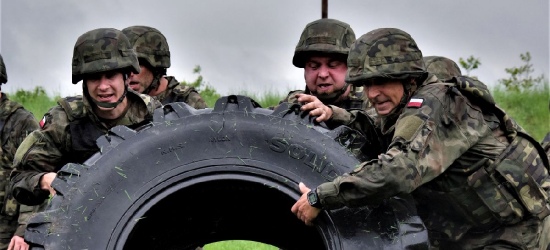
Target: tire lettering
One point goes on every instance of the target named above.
(308, 158)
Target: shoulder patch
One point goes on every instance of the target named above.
(415, 103)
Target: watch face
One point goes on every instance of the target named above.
(313, 199)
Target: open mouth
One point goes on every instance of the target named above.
(324, 87)
(105, 97)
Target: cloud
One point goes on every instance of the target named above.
(248, 44)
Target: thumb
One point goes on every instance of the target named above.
(303, 188)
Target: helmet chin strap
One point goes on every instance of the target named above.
(332, 97)
(154, 84)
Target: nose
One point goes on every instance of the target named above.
(323, 71)
(104, 82)
(372, 91)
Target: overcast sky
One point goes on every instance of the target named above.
(249, 44)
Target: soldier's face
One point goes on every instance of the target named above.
(140, 82)
(105, 87)
(324, 74)
(384, 95)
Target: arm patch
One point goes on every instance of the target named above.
(408, 127)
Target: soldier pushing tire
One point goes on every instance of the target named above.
(193, 177)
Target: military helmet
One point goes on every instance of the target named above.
(3, 74)
(384, 53)
(150, 45)
(102, 50)
(444, 68)
(323, 36)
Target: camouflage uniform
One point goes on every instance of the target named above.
(477, 178)
(177, 92)
(15, 124)
(152, 49)
(69, 130)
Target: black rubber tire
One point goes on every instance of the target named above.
(194, 177)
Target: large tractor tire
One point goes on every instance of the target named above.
(194, 177)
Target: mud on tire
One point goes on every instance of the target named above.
(193, 177)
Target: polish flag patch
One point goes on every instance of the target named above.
(42, 122)
(415, 103)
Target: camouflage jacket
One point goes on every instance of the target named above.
(343, 112)
(177, 92)
(17, 123)
(67, 133)
(440, 142)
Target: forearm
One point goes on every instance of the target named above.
(25, 187)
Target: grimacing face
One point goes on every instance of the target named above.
(325, 74)
(384, 95)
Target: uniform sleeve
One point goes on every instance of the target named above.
(195, 100)
(41, 152)
(426, 142)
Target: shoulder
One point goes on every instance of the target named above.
(72, 106)
(148, 102)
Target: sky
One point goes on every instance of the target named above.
(247, 45)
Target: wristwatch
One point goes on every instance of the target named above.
(313, 199)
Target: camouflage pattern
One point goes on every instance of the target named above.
(102, 50)
(435, 153)
(149, 45)
(384, 53)
(177, 92)
(17, 124)
(323, 36)
(3, 74)
(51, 147)
(444, 68)
(478, 178)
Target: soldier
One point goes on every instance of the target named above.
(102, 58)
(15, 124)
(444, 68)
(322, 52)
(154, 58)
(479, 181)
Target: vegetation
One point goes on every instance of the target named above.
(469, 64)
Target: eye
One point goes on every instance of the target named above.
(312, 65)
(334, 64)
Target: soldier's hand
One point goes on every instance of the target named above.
(46, 182)
(302, 209)
(315, 107)
(18, 243)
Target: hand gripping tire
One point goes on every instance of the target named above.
(193, 177)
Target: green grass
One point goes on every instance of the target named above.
(530, 109)
(238, 245)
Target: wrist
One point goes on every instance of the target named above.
(313, 199)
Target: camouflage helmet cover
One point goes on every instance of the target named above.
(444, 68)
(102, 50)
(3, 74)
(149, 44)
(384, 53)
(323, 36)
